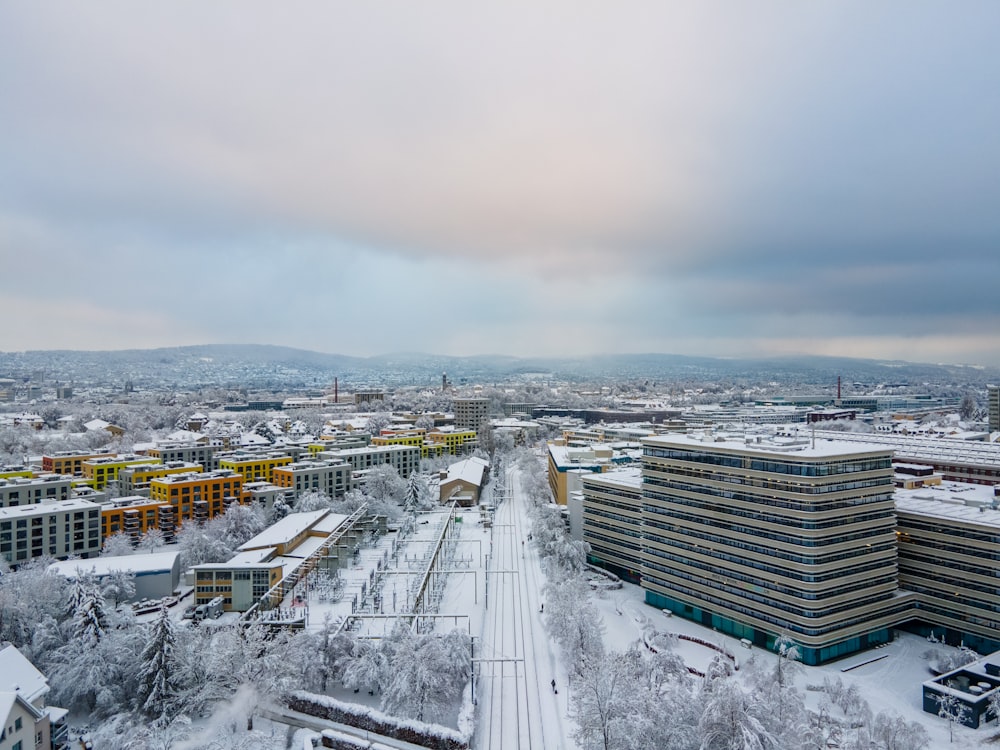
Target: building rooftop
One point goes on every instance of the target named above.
(288, 528)
(152, 562)
(19, 675)
(47, 506)
(800, 445)
(954, 501)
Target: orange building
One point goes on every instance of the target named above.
(198, 497)
(137, 515)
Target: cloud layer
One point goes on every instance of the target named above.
(523, 178)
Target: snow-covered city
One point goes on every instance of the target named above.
(471, 568)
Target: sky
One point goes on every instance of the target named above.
(525, 178)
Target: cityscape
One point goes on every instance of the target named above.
(478, 376)
(457, 565)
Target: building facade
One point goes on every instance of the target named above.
(762, 539)
(58, 529)
(15, 491)
(470, 413)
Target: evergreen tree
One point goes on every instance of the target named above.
(157, 684)
(90, 621)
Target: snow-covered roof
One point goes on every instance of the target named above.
(249, 557)
(284, 530)
(152, 562)
(45, 508)
(470, 470)
(329, 523)
(954, 501)
(19, 675)
(799, 446)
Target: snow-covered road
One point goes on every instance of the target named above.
(516, 659)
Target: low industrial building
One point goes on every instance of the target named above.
(157, 574)
(463, 481)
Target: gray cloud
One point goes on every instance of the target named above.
(646, 167)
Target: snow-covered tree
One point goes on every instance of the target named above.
(573, 621)
(201, 544)
(117, 544)
(365, 667)
(90, 620)
(118, 586)
(952, 710)
(157, 684)
(733, 720)
(378, 422)
(312, 500)
(416, 492)
(239, 524)
(29, 595)
(383, 484)
(427, 674)
(151, 541)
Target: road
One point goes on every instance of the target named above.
(516, 661)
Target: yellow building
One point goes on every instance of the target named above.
(198, 496)
(134, 479)
(98, 472)
(254, 467)
(455, 441)
(417, 437)
(20, 472)
(565, 460)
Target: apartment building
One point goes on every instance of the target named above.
(254, 467)
(70, 462)
(26, 721)
(758, 539)
(453, 440)
(198, 497)
(18, 490)
(332, 477)
(136, 515)
(59, 529)
(134, 480)
(202, 454)
(406, 458)
(99, 472)
(470, 413)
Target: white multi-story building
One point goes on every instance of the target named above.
(56, 528)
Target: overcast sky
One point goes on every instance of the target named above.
(705, 178)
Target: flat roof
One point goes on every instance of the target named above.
(631, 477)
(44, 508)
(153, 562)
(800, 446)
(284, 530)
(952, 501)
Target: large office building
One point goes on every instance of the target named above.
(612, 521)
(470, 413)
(759, 539)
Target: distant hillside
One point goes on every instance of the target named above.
(264, 366)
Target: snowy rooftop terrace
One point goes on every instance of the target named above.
(800, 445)
(953, 501)
(44, 508)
